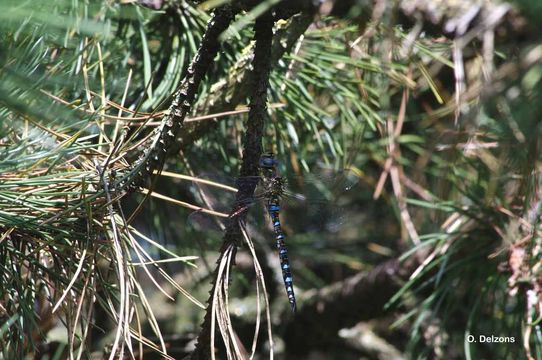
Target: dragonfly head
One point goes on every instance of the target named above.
(268, 161)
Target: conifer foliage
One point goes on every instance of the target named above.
(412, 127)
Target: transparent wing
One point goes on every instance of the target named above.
(214, 195)
(202, 222)
(322, 186)
(315, 200)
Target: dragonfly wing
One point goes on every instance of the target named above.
(202, 221)
(217, 197)
(214, 195)
(323, 185)
(316, 201)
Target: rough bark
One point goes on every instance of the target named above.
(252, 150)
(228, 94)
(162, 142)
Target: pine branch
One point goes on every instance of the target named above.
(455, 18)
(452, 17)
(252, 150)
(161, 146)
(283, 7)
(238, 84)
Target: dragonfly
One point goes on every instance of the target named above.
(274, 188)
(275, 191)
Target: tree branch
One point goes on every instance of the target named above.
(447, 17)
(161, 145)
(228, 94)
(252, 150)
(346, 303)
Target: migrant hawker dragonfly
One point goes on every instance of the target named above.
(276, 191)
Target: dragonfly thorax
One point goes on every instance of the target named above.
(274, 186)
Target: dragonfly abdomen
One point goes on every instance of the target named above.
(274, 209)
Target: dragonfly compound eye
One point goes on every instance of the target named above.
(268, 161)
